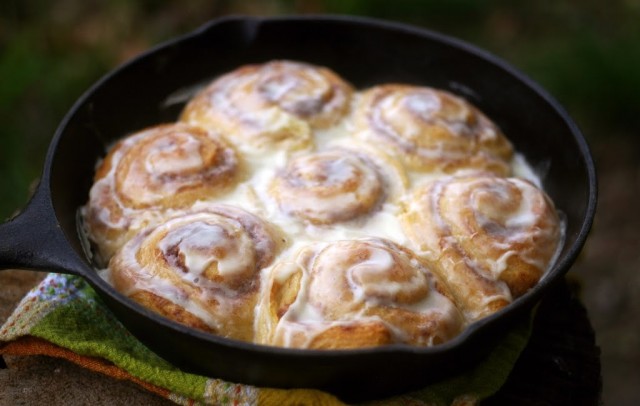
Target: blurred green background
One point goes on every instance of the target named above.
(584, 52)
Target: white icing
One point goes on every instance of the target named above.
(424, 104)
(521, 169)
(169, 156)
(524, 217)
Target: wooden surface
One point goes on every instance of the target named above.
(560, 366)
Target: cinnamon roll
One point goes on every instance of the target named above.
(431, 130)
(275, 104)
(335, 185)
(200, 268)
(492, 238)
(163, 167)
(355, 293)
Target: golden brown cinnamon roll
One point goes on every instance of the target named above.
(200, 268)
(275, 104)
(355, 293)
(335, 185)
(163, 167)
(431, 130)
(493, 238)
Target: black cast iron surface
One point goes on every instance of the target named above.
(151, 89)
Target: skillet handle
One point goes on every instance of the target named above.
(33, 239)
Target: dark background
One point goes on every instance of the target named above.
(586, 53)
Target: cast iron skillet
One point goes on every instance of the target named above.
(147, 91)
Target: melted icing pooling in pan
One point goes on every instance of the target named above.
(287, 208)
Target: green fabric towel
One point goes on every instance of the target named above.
(65, 311)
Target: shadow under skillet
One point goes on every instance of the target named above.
(561, 363)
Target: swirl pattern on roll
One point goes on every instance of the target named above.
(333, 185)
(355, 293)
(431, 130)
(275, 104)
(493, 238)
(163, 167)
(200, 268)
